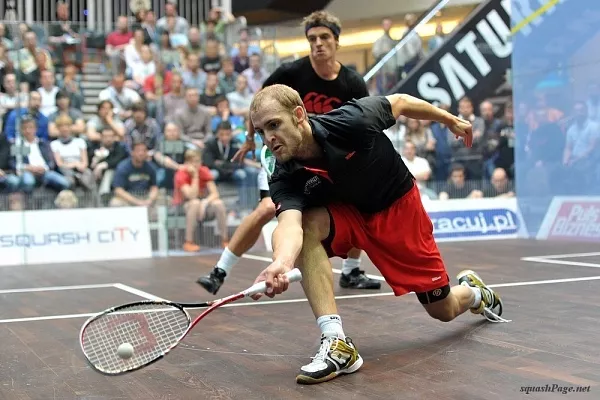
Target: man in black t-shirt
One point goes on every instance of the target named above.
(324, 85)
(321, 161)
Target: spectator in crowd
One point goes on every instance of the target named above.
(471, 158)
(135, 180)
(195, 42)
(215, 25)
(241, 98)
(255, 74)
(33, 110)
(211, 92)
(443, 148)
(104, 119)
(11, 98)
(6, 64)
(116, 43)
(4, 40)
(70, 154)
(194, 119)
(490, 137)
(581, 154)
(457, 187)
(409, 55)
(155, 87)
(593, 102)
(120, 96)
(241, 61)
(172, 22)
(227, 76)
(252, 47)
(151, 35)
(71, 86)
(506, 142)
(397, 133)
(438, 39)
(499, 186)
(33, 60)
(105, 156)
(223, 113)
(38, 167)
(175, 99)
(48, 91)
(386, 77)
(193, 75)
(143, 69)
(169, 55)
(9, 182)
(418, 167)
(195, 189)
(211, 62)
(63, 108)
(422, 137)
(64, 36)
(133, 53)
(142, 128)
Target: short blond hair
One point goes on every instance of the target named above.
(191, 154)
(63, 119)
(287, 98)
(323, 18)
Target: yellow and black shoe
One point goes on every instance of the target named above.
(335, 356)
(491, 303)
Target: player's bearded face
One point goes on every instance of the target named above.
(322, 43)
(280, 132)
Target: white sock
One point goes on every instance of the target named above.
(227, 260)
(477, 300)
(331, 325)
(349, 264)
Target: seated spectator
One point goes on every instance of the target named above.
(490, 139)
(38, 167)
(169, 156)
(241, 61)
(169, 55)
(471, 158)
(193, 75)
(506, 142)
(174, 100)
(216, 23)
(134, 182)
(227, 76)
(9, 182)
(71, 86)
(64, 35)
(444, 139)
(142, 70)
(255, 74)
(63, 108)
(397, 133)
(211, 92)
(48, 91)
(155, 87)
(251, 47)
(104, 119)
(105, 156)
(11, 98)
(142, 128)
(33, 110)
(457, 187)
(499, 186)
(211, 62)
(151, 35)
(241, 98)
(70, 154)
(224, 113)
(194, 119)
(32, 60)
(195, 44)
(116, 42)
(218, 154)
(172, 22)
(4, 40)
(196, 190)
(120, 96)
(419, 168)
(133, 52)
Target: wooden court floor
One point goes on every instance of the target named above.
(253, 350)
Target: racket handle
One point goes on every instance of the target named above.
(261, 287)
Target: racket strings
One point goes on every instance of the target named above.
(152, 329)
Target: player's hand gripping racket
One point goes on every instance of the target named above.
(131, 336)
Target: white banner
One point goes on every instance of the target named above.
(573, 219)
(463, 220)
(74, 235)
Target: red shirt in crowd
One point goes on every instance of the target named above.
(150, 85)
(183, 177)
(118, 38)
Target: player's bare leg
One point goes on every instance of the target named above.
(244, 237)
(471, 294)
(337, 354)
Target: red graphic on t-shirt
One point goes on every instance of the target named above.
(317, 103)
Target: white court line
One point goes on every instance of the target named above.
(574, 255)
(335, 270)
(560, 262)
(137, 292)
(57, 288)
(302, 300)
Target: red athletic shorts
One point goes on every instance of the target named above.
(398, 240)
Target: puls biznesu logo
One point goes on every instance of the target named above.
(474, 223)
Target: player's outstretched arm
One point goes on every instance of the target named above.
(287, 243)
(412, 107)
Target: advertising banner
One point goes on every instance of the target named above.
(572, 219)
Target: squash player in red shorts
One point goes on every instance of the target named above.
(338, 184)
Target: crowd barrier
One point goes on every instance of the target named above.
(104, 234)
